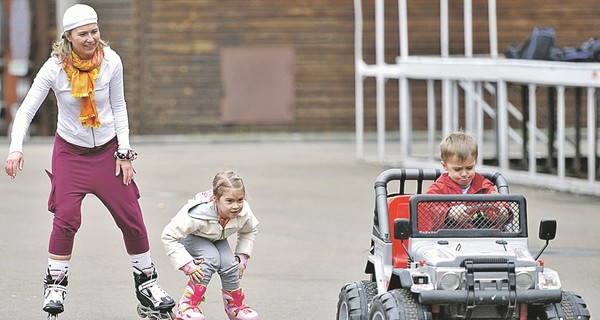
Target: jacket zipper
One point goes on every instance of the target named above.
(222, 224)
(93, 137)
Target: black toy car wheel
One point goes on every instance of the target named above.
(571, 307)
(354, 300)
(397, 304)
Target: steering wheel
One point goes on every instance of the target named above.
(480, 215)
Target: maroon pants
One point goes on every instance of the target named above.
(77, 171)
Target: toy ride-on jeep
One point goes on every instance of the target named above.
(427, 263)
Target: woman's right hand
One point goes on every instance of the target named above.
(14, 161)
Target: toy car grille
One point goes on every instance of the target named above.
(489, 215)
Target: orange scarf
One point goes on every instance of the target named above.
(82, 75)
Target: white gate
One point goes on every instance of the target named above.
(553, 149)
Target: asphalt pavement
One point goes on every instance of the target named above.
(313, 198)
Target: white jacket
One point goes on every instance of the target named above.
(108, 94)
(199, 217)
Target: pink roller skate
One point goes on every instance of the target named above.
(188, 307)
(235, 307)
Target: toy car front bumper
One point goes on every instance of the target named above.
(490, 297)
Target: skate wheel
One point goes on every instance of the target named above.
(52, 316)
(141, 312)
(166, 315)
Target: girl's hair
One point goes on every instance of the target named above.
(458, 144)
(226, 180)
(62, 48)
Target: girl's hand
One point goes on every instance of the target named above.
(14, 161)
(193, 270)
(242, 260)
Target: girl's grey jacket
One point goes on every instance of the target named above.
(199, 217)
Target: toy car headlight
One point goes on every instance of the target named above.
(524, 281)
(548, 280)
(449, 281)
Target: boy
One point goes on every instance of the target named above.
(459, 157)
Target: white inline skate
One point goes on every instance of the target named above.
(155, 303)
(55, 292)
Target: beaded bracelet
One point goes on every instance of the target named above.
(130, 155)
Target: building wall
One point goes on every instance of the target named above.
(173, 54)
(181, 46)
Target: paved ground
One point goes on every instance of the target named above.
(315, 204)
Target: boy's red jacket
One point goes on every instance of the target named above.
(445, 185)
(435, 218)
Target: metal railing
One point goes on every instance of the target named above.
(529, 143)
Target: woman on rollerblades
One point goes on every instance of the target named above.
(91, 154)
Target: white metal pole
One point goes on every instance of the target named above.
(358, 79)
(455, 105)
(469, 89)
(591, 133)
(532, 129)
(493, 29)
(380, 80)
(403, 32)
(380, 111)
(446, 84)
(405, 113)
(560, 130)
(444, 42)
(446, 107)
(468, 40)
(359, 106)
(468, 26)
(379, 32)
(431, 150)
(405, 118)
(479, 118)
(502, 130)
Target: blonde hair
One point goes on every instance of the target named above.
(61, 48)
(458, 144)
(226, 180)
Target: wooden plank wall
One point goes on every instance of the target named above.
(171, 52)
(181, 89)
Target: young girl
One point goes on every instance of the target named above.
(196, 243)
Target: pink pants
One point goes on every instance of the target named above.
(77, 171)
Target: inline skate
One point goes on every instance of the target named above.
(155, 303)
(55, 292)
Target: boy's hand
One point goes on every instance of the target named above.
(459, 215)
(504, 215)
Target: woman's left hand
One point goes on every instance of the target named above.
(126, 168)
